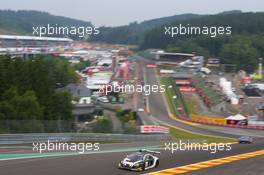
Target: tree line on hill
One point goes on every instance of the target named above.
(242, 48)
(23, 21)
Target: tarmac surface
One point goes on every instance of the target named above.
(106, 162)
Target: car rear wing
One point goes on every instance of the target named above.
(149, 151)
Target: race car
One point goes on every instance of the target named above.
(140, 161)
(245, 139)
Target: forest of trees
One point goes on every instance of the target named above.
(243, 47)
(28, 89)
(134, 32)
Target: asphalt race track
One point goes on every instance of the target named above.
(106, 163)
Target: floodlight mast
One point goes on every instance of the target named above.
(260, 67)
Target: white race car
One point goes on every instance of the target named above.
(140, 161)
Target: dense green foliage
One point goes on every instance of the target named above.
(82, 65)
(242, 48)
(103, 125)
(134, 32)
(129, 120)
(241, 23)
(28, 89)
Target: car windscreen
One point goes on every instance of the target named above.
(135, 157)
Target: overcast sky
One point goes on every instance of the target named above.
(120, 12)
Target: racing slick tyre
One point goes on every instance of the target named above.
(157, 164)
(142, 168)
(119, 166)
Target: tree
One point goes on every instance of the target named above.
(61, 107)
(82, 65)
(103, 125)
(240, 52)
(28, 88)
(20, 107)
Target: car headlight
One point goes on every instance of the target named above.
(137, 165)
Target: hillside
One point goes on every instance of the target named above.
(242, 48)
(134, 32)
(137, 31)
(241, 23)
(22, 22)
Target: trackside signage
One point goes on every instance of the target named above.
(187, 89)
(151, 65)
(183, 82)
(153, 129)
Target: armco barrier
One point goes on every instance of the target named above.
(78, 137)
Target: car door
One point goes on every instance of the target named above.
(149, 160)
(146, 160)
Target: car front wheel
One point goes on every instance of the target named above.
(157, 163)
(142, 168)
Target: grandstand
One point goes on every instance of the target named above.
(209, 95)
(172, 58)
(16, 41)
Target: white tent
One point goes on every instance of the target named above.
(237, 117)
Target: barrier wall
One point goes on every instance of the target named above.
(209, 120)
(219, 124)
(77, 137)
(256, 123)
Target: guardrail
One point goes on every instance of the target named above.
(78, 137)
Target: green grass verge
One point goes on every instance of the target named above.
(190, 104)
(169, 93)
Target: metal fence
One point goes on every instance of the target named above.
(36, 126)
(78, 137)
